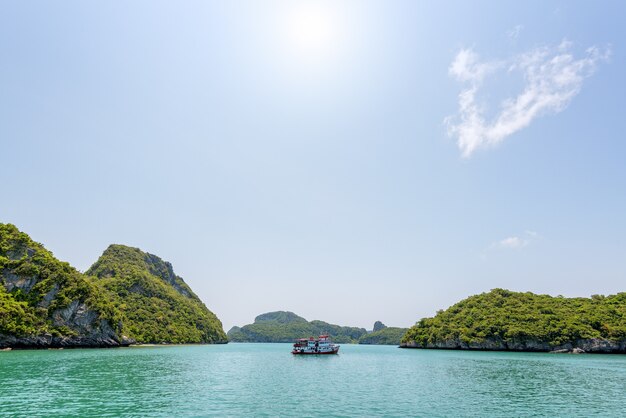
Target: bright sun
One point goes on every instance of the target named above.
(311, 30)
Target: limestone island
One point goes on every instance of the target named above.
(513, 321)
(285, 327)
(127, 297)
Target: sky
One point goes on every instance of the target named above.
(350, 161)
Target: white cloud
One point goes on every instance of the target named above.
(467, 68)
(552, 75)
(516, 242)
(513, 242)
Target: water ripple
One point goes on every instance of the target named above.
(265, 380)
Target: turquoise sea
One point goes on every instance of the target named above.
(266, 380)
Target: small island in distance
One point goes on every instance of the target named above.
(284, 327)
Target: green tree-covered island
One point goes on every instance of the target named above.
(505, 320)
(128, 296)
(282, 327)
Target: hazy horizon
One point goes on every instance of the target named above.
(347, 161)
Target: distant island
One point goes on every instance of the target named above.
(283, 327)
(514, 321)
(128, 296)
(383, 335)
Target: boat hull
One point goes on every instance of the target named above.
(313, 353)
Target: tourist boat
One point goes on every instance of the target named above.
(321, 345)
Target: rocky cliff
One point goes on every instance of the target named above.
(591, 345)
(158, 306)
(47, 303)
(378, 326)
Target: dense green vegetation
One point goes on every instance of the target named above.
(34, 285)
(157, 305)
(281, 317)
(126, 293)
(280, 327)
(514, 318)
(384, 336)
(19, 318)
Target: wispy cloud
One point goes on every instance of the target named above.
(516, 241)
(553, 76)
(513, 242)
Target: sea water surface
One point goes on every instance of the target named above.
(266, 380)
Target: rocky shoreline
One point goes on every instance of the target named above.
(594, 345)
(49, 341)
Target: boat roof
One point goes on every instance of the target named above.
(311, 338)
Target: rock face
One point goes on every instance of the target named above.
(594, 345)
(47, 303)
(513, 321)
(378, 326)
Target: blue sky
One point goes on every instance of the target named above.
(349, 161)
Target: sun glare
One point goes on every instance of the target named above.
(311, 31)
(310, 28)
